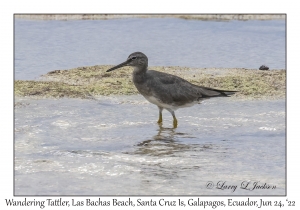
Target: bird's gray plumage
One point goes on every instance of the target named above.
(165, 90)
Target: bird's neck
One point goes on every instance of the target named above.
(140, 70)
(139, 75)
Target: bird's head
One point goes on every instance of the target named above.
(136, 59)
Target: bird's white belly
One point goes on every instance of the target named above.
(153, 100)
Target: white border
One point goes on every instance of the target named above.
(8, 8)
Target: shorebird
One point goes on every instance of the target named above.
(164, 90)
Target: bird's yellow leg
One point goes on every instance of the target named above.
(160, 115)
(160, 118)
(175, 123)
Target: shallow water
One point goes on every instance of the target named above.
(113, 146)
(43, 46)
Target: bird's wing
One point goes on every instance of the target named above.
(175, 90)
(171, 89)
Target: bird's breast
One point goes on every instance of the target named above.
(140, 83)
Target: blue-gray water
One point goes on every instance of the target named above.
(113, 146)
(43, 46)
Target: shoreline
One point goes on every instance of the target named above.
(212, 17)
(91, 81)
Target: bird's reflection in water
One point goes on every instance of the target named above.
(167, 142)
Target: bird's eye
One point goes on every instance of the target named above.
(133, 58)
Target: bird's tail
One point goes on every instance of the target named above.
(211, 92)
(228, 92)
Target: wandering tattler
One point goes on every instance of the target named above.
(165, 90)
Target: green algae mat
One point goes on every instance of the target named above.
(90, 81)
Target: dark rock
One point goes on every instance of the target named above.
(263, 67)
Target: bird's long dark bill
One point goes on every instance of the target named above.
(118, 66)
